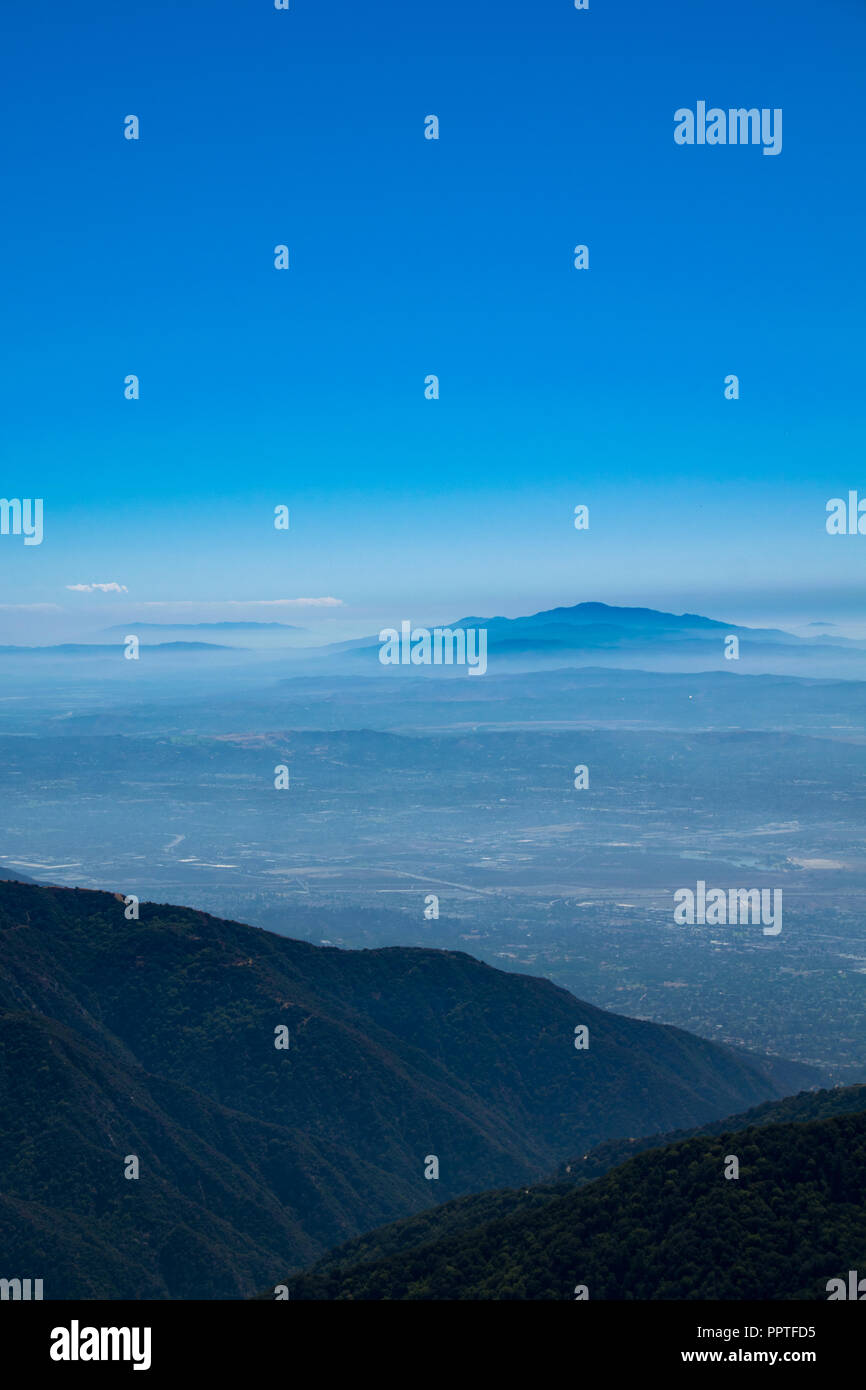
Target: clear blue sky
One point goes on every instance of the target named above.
(411, 257)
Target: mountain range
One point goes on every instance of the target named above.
(135, 626)
(600, 633)
(580, 635)
(154, 1039)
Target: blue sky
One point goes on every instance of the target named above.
(411, 257)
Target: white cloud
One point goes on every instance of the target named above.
(112, 588)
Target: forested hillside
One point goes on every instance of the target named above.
(666, 1224)
(155, 1038)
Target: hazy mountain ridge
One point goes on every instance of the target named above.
(15, 876)
(576, 635)
(226, 626)
(115, 648)
(678, 641)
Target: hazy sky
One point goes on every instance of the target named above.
(410, 257)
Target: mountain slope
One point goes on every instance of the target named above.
(155, 1038)
(473, 1212)
(667, 1224)
(808, 1105)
